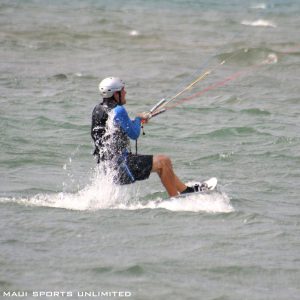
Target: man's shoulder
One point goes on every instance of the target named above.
(99, 112)
(98, 106)
(120, 110)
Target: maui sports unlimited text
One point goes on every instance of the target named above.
(56, 294)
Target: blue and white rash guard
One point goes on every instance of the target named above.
(131, 127)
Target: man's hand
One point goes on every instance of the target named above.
(145, 116)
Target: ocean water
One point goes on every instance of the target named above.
(67, 231)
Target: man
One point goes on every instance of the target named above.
(111, 131)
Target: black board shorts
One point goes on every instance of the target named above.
(137, 167)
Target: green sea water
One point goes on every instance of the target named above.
(64, 228)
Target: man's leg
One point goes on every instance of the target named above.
(162, 165)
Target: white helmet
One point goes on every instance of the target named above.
(109, 85)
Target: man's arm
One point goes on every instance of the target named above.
(131, 128)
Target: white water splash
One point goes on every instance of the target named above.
(259, 23)
(100, 194)
(214, 202)
(103, 194)
(134, 33)
(271, 59)
(259, 6)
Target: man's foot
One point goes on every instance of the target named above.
(204, 187)
(196, 188)
(189, 189)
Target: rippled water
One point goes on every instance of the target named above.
(65, 228)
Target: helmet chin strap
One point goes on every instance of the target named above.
(120, 98)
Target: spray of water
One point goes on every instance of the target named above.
(103, 194)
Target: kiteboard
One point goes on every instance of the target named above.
(203, 187)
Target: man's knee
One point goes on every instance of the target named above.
(160, 162)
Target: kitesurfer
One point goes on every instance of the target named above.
(112, 130)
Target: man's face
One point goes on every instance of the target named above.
(123, 96)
